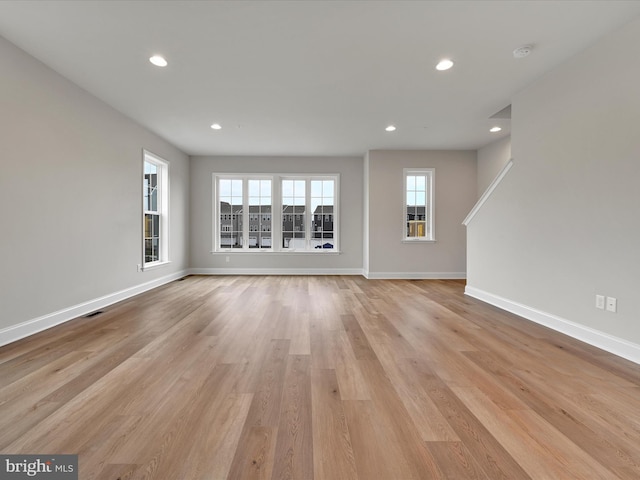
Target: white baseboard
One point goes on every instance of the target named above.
(275, 271)
(30, 327)
(415, 275)
(609, 343)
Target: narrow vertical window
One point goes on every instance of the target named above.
(155, 197)
(260, 213)
(230, 197)
(293, 214)
(322, 204)
(418, 204)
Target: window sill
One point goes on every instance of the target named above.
(326, 251)
(154, 265)
(418, 241)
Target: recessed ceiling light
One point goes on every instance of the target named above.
(390, 128)
(216, 126)
(495, 129)
(444, 64)
(158, 61)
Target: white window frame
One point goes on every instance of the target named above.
(310, 215)
(247, 217)
(162, 209)
(429, 173)
(276, 213)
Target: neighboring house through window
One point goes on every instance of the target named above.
(418, 204)
(243, 206)
(276, 213)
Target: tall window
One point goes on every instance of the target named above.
(155, 191)
(243, 211)
(418, 204)
(276, 213)
(231, 198)
(294, 199)
(260, 209)
(322, 205)
(308, 218)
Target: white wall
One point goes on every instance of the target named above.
(349, 261)
(455, 195)
(70, 197)
(564, 224)
(491, 159)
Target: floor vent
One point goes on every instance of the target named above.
(93, 314)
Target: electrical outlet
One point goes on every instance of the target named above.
(139, 267)
(227, 259)
(612, 304)
(600, 302)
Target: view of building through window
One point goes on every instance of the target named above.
(418, 204)
(302, 217)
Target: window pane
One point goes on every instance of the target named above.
(327, 188)
(154, 199)
(287, 188)
(148, 251)
(156, 226)
(236, 187)
(224, 188)
(152, 238)
(148, 225)
(265, 227)
(150, 168)
(145, 193)
(150, 186)
(316, 188)
(265, 188)
(254, 188)
(418, 221)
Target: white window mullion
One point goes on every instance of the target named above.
(245, 214)
(276, 215)
(308, 214)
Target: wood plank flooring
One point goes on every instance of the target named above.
(319, 378)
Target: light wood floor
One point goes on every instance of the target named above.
(324, 378)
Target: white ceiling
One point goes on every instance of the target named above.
(309, 77)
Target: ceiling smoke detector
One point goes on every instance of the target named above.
(522, 51)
